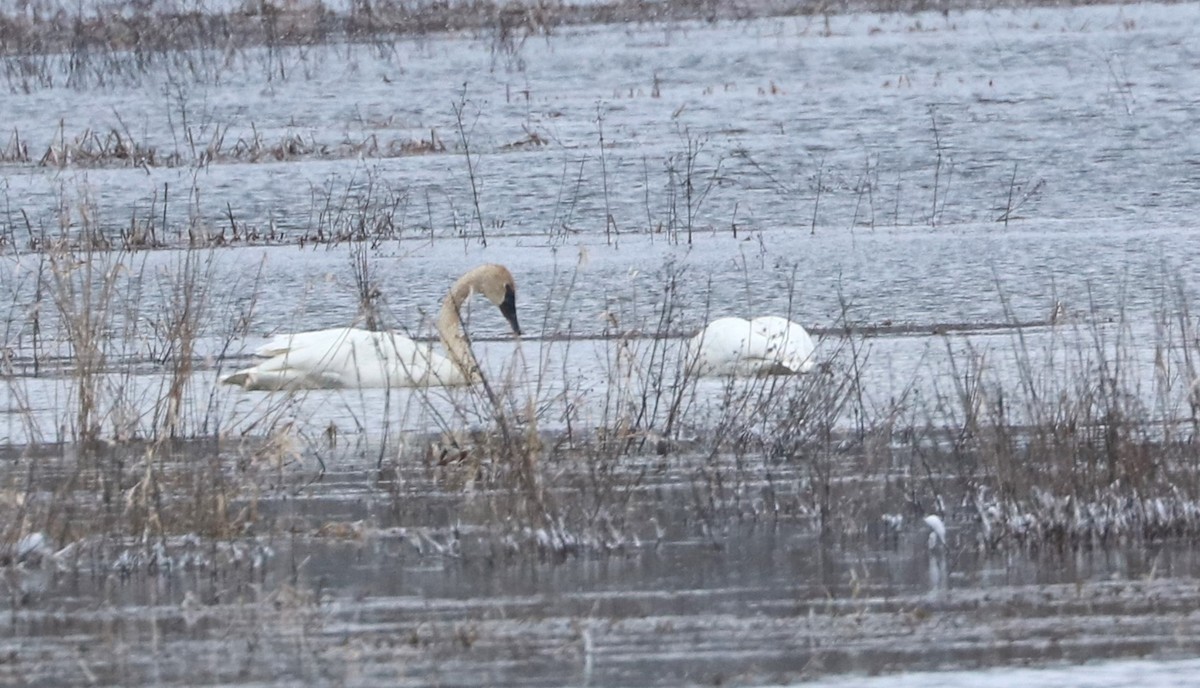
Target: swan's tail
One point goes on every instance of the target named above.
(242, 378)
(257, 379)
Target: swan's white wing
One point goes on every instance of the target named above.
(786, 342)
(346, 357)
(724, 347)
(766, 345)
(291, 342)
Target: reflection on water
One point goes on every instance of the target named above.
(850, 172)
(765, 602)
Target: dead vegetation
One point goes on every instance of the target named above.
(134, 450)
(1069, 441)
(1055, 437)
(1062, 435)
(121, 461)
(120, 41)
(114, 148)
(123, 26)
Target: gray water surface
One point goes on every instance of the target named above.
(852, 172)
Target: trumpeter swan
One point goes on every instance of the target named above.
(346, 357)
(768, 345)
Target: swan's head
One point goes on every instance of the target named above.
(496, 283)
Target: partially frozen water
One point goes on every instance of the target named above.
(758, 604)
(850, 171)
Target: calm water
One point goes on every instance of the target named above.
(422, 604)
(846, 173)
(875, 167)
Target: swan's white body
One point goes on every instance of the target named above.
(768, 345)
(346, 357)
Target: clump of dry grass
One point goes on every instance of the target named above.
(90, 36)
(121, 42)
(132, 448)
(588, 484)
(91, 149)
(117, 148)
(367, 208)
(1059, 438)
(1082, 436)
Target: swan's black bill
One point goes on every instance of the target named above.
(509, 308)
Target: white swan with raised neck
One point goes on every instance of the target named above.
(346, 357)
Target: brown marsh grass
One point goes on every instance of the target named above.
(117, 148)
(120, 42)
(1067, 433)
(132, 448)
(1064, 434)
(1050, 436)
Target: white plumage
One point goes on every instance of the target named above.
(767, 345)
(346, 357)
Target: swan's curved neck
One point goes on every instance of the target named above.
(450, 328)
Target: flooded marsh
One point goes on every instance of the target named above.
(983, 215)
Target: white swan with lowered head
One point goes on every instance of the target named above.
(768, 345)
(345, 357)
